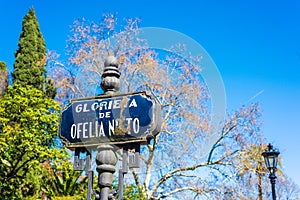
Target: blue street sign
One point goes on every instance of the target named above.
(117, 119)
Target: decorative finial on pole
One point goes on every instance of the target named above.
(111, 76)
(106, 158)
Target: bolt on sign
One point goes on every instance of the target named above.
(117, 119)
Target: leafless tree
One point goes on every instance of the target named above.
(179, 160)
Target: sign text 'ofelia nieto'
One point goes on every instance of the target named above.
(114, 120)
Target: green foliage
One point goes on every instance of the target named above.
(29, 124)
(132, 192)
(2, 66)
(61, 182)
(30, 165)
(29, 66)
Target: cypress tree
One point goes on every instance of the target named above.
(29, 66)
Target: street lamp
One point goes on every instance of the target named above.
(271, 158)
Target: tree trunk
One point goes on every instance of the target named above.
(259, 181)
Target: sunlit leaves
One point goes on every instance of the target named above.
(29, 126)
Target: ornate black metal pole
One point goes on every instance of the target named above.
(273, 180)
(106, 158)
(271, 158)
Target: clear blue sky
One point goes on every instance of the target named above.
(255, 44)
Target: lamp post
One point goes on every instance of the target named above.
(271, 158)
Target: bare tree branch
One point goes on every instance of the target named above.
(193, 189)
